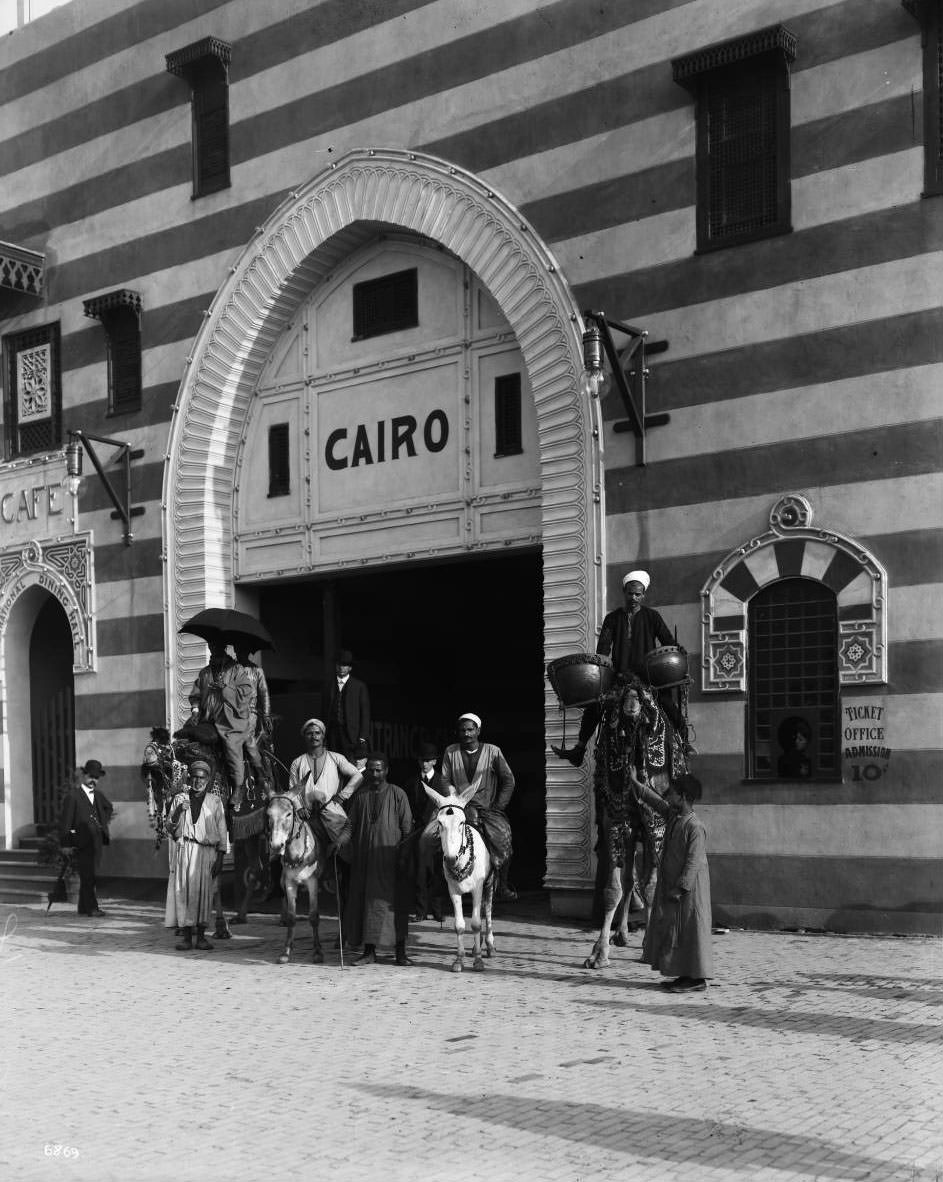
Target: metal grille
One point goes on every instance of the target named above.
(743, 158)
(507, 415)
(387, 304)
(793, 674)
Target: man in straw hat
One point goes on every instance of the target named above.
(627, 636)
(198, 824)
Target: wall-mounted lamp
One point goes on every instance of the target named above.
(629, 372)
(73, 467)
(592, 375)
(79, 440)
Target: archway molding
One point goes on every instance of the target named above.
(294, 251)
(791, 548)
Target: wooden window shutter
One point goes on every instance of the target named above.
(124, 358)
(387, 304)
(211, 131)
(279, 460)
(508, 437)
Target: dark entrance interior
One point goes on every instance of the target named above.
(51, 690)
(431, 641)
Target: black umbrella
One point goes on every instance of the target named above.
(230, 626)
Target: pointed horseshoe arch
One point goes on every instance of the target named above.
(301, 243)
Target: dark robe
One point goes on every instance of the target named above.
(628, 653)
(377, 909)
(678, 936)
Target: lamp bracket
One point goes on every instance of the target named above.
(121, 499)
(630, 373)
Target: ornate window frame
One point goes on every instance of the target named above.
(789, 549)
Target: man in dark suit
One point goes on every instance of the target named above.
(83, 823)
(348, 714)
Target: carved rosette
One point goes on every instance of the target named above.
(794, 547)
(64, 569)
(299, 245)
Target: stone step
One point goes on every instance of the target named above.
(28, 872)
(18, 857)
(24, 896)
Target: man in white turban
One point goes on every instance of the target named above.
(627, 636)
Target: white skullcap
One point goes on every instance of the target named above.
(471, 718)
(313, 722)
(638, 576)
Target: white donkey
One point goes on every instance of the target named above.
(468, 871)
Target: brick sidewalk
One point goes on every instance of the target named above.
(809, 1057)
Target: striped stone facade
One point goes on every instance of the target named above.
(549, 147)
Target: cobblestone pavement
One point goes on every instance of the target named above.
(809, 1057)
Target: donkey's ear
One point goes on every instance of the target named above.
(433, 795)
(467, 793)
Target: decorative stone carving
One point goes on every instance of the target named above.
(63, 568)
(294, 251)
(791, 548)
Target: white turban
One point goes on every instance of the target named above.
(313, 722)
(638, 576)
(471, 718)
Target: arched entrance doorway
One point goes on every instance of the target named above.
(52, 697)
(40, 733)
(297, 250)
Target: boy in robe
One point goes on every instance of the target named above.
(678, 937)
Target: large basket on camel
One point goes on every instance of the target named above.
(580, 678)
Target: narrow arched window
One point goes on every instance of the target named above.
(793, 699)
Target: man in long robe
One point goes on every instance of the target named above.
(377, 910)
(198, 824)
(678, 937)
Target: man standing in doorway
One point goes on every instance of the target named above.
(83, 823)
(462, 763)
(348, 716)
(627, 636)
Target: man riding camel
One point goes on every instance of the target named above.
(627, 636)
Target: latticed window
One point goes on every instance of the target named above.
(742, 91)
(793, 682)
(33, 399)
(387, 304)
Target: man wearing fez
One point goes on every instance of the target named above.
(198, 824)
(83, 823)
(348, 714)
(627, 636)
(377, 909)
